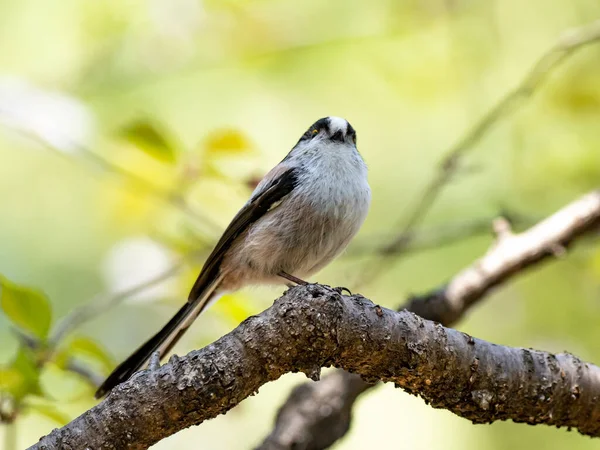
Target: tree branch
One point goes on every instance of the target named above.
(314, 326)
(104, 302)
(510, 255)
(567, 44)
(318, 414)
(98, 161)
(435, 237)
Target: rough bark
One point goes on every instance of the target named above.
(318, 414)
(314, 326)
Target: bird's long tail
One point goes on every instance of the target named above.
(162, 341)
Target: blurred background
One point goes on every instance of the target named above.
(132, 131)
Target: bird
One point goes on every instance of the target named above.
(300, 217)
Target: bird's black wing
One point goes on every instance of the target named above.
(260, 203)
(282, 183)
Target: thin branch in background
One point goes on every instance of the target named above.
(567, 45)
(90, 310)
(105, 302)
(83, 371)
(170, 198)
(72, 365)
(436, 237)
(316, 415)
(510, 255)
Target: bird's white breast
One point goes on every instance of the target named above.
(312, 224)
(318, 218)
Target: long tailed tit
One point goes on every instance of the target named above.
(301, 215)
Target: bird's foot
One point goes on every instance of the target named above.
(340, 290)
(293, 279)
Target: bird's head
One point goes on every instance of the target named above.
(330, 129)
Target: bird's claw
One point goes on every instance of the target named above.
(340, 290)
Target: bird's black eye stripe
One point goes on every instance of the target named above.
(337, 136)
(351, 131)
(318, 126)
(306, 136)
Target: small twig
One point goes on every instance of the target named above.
(510, 255)
(434, 237)
(26, 340)
(170, 198)
(175, 200)
(92, 377)
(502, 228)
(104, 302)
(88, 311)
(567, 44)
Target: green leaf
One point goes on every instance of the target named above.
(29, 309)
(61, 357)
(227, 141)
(88, 347)
(10, 379)
(49, 411)
(150, 140)
(23, 375)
